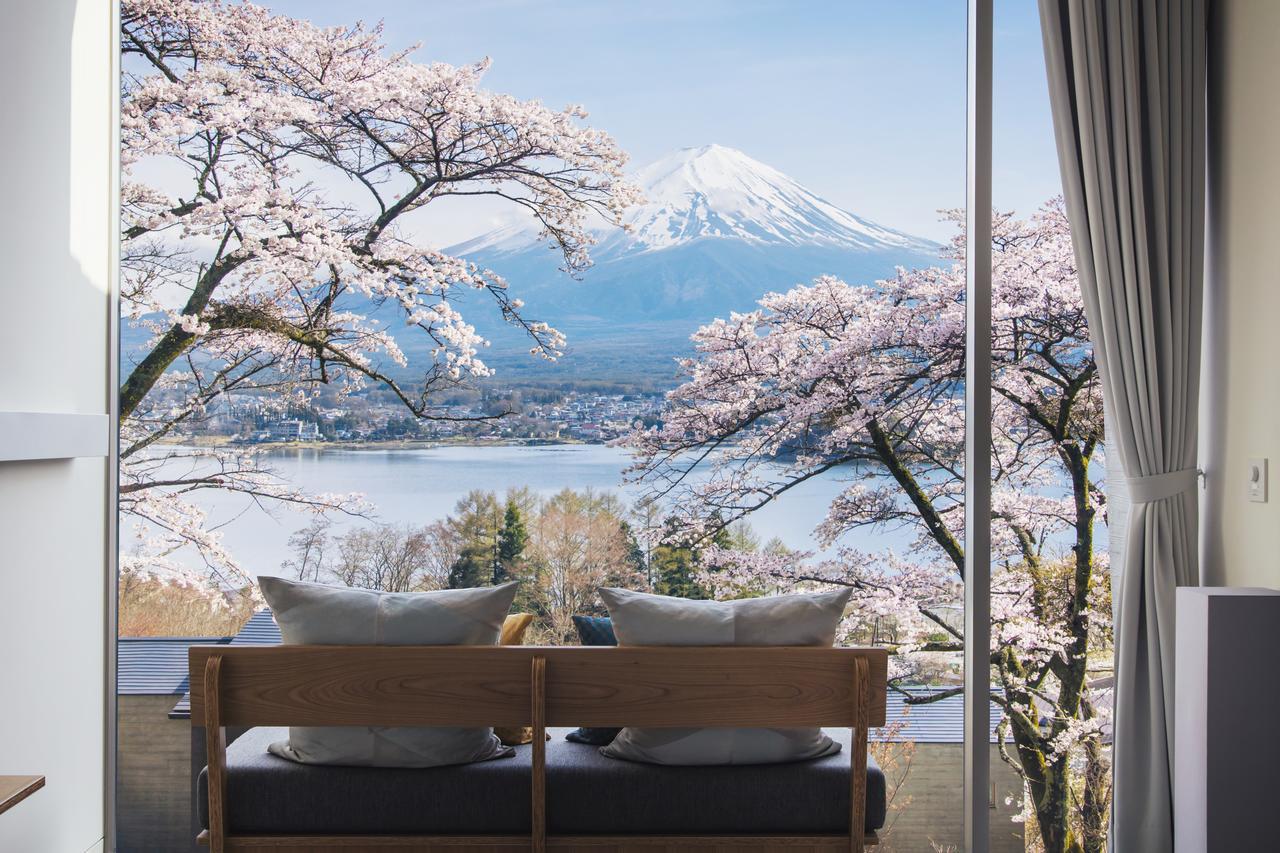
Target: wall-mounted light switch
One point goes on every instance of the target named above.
(1258, 480)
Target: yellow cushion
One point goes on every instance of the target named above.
(513, 629)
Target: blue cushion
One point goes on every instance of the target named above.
(595, 630)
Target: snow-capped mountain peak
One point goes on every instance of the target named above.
(716, 192)
(719, 192)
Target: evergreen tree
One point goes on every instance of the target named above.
(471, 569)
(635, 554)
(477, 521)
(512, 540)
(673, 572)
(675, 564)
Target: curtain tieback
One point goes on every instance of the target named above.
(1157, 487)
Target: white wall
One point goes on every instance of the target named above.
(55, 228)
(1241, 407)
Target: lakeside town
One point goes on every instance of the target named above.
(560, 417)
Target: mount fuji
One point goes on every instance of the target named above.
(717, 230)
(715, 192)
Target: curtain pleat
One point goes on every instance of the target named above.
(1126, 83)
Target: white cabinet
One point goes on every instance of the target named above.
(1227, 708)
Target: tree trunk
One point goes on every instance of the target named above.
(1096, 799)
(1054, 814)
(1049, 784)
(175, 341)
(1048, 779)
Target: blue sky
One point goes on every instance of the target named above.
(862, 101)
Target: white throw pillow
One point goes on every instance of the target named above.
(316, 614)
(640, 619)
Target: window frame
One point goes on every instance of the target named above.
(977, 404)
(977, 534)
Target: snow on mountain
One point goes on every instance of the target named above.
(514, 236)
(714, 191)
(717, 192)
(716, 232)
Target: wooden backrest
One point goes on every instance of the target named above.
(490, 685)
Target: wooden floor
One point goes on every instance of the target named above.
(561, 844)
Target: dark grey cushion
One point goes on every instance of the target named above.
(266, 793)
(586, 793)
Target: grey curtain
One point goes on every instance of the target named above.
(1126, 81)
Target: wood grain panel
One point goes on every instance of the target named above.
(15, 789)
(538, 824)
(559, 844)
(704, 686)
(725, 843)
(215, 753)
(858, 757)
(490, 685)
(357, 843)
(368, 685)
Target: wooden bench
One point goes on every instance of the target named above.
(538, 687)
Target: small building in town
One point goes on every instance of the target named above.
(291, 430)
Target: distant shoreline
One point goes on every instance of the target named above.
(223, 442)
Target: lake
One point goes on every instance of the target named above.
(418, 486)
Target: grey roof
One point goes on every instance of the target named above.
(941, 721)
(155, 666)
(260, 630)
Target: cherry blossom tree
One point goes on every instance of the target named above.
(868, 381)
(269, 170)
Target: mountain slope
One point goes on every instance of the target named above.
(716, 231)
(719, 193)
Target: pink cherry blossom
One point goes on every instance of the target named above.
(269, 165)
(865, 382)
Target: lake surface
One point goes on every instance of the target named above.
(419, 486)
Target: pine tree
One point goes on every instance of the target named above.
(635, 554)
(673, 569)
(675, 565)
(471, 569)
(476, 520)
(512, 540)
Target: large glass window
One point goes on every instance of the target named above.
(403, 321)
(1050, 599)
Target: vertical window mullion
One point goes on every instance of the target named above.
(112, 538)
(977, 406)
